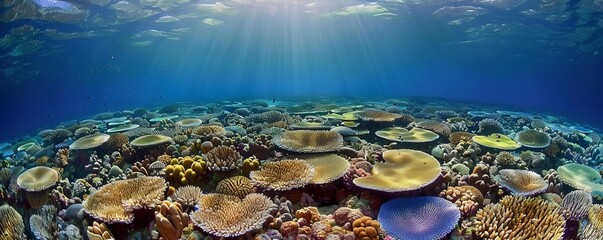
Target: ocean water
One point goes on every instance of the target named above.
(65, 61)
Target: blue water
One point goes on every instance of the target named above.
(76, 62)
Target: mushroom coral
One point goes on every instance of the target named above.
(114, 202)
(533, 138)
(89, 142)
(517, 217)
(35, 181)
(496, 141)
(151, 140)
(231, 216)
(403, 170)
(418, 217)
(374, 115)
(306, 141)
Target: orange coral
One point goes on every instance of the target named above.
(171, 220)
(311, 214)
(365, 228)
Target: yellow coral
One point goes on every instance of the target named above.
(186, 171)
(250, 164)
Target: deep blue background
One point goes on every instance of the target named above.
(363, 58)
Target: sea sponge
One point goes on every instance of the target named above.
(283, 175)
(415, 135)
(533, 138)
(328, 167)
(347, 215)
(374, 115)
(403, 170)
(231, 217)
(306, 141)
(489, 126)
(516, 217)
(576, 204)
(11, 224)
(239, 186)
(222, 158)
(435, 126)
(365, 228)
(188, 196)
(496, 141)
(186, 170)
(467, 198)
(418, 217)
(36, 182)
(521, 182)
(89, 142)
(171, 221)
(114, 202)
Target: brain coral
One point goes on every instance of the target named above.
(233, 217)
(533, 138)
(516, 217)
(283, 175)
(404, 170)
(239, 186)
(306, 141)
(521, 182)
(115, 201)
(418, 217)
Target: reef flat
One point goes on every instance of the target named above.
(297, 169)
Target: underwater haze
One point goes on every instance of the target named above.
(63, 60)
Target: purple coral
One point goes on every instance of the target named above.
(418, 217)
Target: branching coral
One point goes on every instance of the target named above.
(467, 198)
(231, 216)
(283, 175)
(115, 201)
(222, 158)
(517, 217)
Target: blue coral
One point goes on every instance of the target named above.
(418, 218)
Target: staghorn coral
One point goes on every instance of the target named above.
(521, 182)
(187, 196)
(467, 198)
(11, 224)
(171, 221)
(489, 126)
(283, 175)
(114, 202)
(306, 141)
(222, 158)
(231, 217)
(365, 228)
(516, 217)
(576, 204)
(436, 217)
